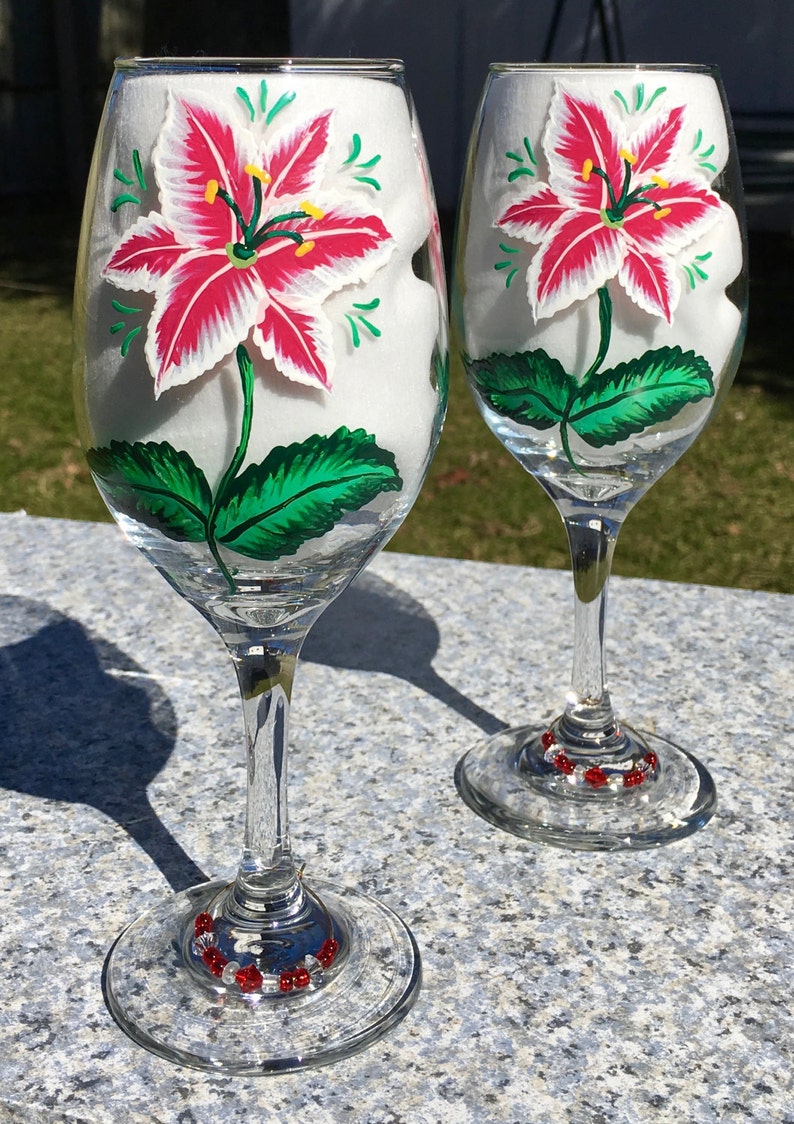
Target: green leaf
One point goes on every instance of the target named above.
(613, 405)
(155, 484)
(531, 387)
(300, 491)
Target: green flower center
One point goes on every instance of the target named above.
(240, 255)
(253, 234)
(608, 220)
(614, 214)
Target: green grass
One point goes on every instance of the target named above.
(723, 515)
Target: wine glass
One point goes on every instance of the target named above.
(260, 383)
(599, 308)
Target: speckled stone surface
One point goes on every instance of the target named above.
(558, 987)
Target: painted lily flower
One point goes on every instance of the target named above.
(616, 205)
(246, 243)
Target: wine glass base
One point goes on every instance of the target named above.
(157, 999)
(501, 782)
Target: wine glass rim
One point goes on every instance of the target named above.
(175, 64)
(603, 67)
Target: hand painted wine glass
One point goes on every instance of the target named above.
(599, 309)
(261, 378)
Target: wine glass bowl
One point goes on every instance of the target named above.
(599, 309)
(260, 373)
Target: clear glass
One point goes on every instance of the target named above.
(599, 310)
(260, 383)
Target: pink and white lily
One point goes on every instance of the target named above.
(248, 242)
(615, 206)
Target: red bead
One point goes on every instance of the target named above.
(651, 759)
(301, 977)
(548, 739)
(635, 777)
(596, 777)
(249, 978)
(328, 951)
(564, 764)
(285, 981)
(203, 924)
(215, 960)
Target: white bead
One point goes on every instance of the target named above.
(314, 968)
(229, 972)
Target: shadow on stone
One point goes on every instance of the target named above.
(374, 626)
(82, 723)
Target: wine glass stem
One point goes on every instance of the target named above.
(267, 882)
(588, 725)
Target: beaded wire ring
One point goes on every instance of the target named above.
(247, 977)
(595, 777)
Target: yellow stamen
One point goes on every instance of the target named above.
(663, 213)
(587, 169)
(303, 249)
(660, 182)
(259, 173)
(211, 191)
(312, 211)
(624, 154)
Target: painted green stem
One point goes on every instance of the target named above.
(605, 332)
(605, 335)
(246, 369)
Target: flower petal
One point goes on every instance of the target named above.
(298, 341)
(198, 144)
(294, 163)
(533, 216)
(580, 256)
(650, 281)
(579, 131)
(202, 312)
(144, 255)
(345, 246)
(688, 211)
(654, 146)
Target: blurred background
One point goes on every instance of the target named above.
(723, 515)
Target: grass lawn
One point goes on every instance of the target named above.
(723, 515)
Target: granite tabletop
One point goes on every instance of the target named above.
(558, 987)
